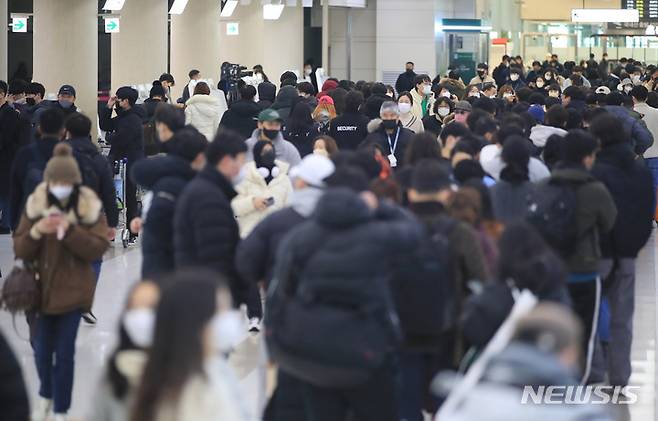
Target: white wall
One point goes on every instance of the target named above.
(277, 45)
(364, 45)
(405, 32)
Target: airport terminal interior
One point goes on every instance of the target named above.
(328, 210)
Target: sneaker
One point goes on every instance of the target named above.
(89, 318)
(42, 409)
(60, 417)
(254, 325)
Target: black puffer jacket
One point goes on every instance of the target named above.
(206, 233)
(345, 251)
(266, 94)
(9, 144)
(241, 117)
(165, 176)
(83, 148)
(125, 133)
(149, 107)
(630, 184)
(285, 101)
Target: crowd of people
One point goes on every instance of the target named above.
(391, 227)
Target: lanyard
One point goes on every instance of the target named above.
(395, 143)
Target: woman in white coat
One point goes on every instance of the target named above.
(265, 189)
(203, 111)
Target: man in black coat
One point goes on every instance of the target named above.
(350, 128)
(9, 145)
(630, 184)
(241, 115)
(206, 233)
(391, 137)
(405, 82)
(344, 251)
(126, 138)
(31, 160)
(375, 100)
(165, 176)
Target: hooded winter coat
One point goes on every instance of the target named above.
(64, 266)
(285, 101)
(241, 117)
(285, 151)
(266, 94)
(254, 185)
(327, 86)
(204, 113)
(539, 134)
(636, 129)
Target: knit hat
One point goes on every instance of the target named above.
(62, 167)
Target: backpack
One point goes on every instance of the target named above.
(88, 172)
(324, 341)
(424, 286)
(35, 168)
(552, 211)
(151, 144)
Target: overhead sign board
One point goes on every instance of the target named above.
(604, 15)
(232, 28)
(19, 24)
(647, 9)
(112, 25)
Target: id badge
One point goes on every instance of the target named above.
(393, 160)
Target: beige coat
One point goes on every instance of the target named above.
(417, 107)
(280, 188)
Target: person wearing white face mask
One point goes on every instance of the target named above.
(187, 376)
(408, 120)
(116, 392)
(64, 230)
(422, 97)
(434, 123)
(206, 232)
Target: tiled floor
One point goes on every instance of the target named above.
(121, 269)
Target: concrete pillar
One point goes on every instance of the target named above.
(325, 35)
(139, 51)
(66, 49)
(195, 42)
(3, 40)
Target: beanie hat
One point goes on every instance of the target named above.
(62, 167)
(157, 90)
(537, 112)
(126, 92)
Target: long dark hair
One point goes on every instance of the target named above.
(516, 155)
(184, 310)
(300, 119)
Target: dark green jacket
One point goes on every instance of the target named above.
(596, 215)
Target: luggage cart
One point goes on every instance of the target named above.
(120, 187)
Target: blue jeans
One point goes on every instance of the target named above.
(54, 351)
(417, 369)
(96, 266)
(652, 164)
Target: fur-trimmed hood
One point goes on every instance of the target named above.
(89, 206)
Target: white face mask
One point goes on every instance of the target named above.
(514, 77)
(427, 90)
(548, 76)
(554, 94)
(507, 95)
(61, 192)
(404, 107)
(140, 324)
(308, 71)
(540, 84)
(446, 94)
(443, 111)
(628, 88)
(227, 330)
(475, 94)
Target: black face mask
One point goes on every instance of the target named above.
(266, 160)
(31, 101)
(119, 110)
(271, 134)
(389, 124)
(410, 70)
(480, 73)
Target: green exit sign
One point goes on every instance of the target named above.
(232, 28)
(112, 25)
(19, 24)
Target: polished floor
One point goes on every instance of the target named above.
(121, 270)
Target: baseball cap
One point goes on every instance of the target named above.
(313, 169)
(269, 114)
(602, 90)
(67, 90)
(430, 177)
(463, 106)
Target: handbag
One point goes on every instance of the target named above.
(22, 289)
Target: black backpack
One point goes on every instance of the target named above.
(325, 341)
(552, 211)
(87, 165)
(35, 168)
(424, 285)
(151, 144)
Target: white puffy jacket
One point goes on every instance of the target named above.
(204, 113)
(280, 188)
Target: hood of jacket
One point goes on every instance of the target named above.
(245, 108)
(89, 206)
(539, 134)
(285, 98)
(83, 145)
(147, 172)
(266, 91)
(341, 208)
(305, 201)
(329, 85)
(253, 176)
(207, 105)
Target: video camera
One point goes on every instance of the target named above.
(230, 76)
